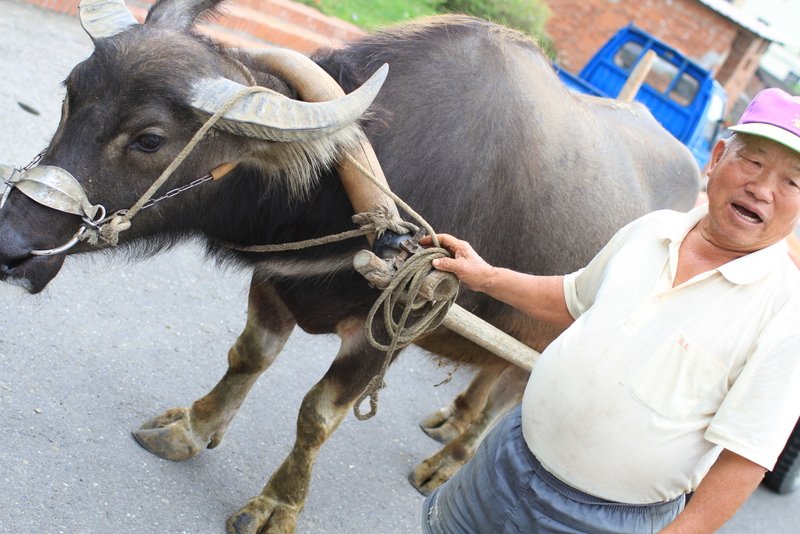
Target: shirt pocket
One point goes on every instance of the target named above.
(676, 378)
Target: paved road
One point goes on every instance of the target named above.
(111, 343)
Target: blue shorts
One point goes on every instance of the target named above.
(504, 489)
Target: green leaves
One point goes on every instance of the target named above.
(528, 16)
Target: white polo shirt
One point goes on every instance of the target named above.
(634, 402)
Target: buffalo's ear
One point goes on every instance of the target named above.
(105, 18)
(180, 14)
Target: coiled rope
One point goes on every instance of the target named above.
(401, 292)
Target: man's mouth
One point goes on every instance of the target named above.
(747, 215)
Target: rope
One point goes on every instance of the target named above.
(298, 245)
(402, 290)
(371, 222)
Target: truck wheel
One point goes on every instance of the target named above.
(785, 477)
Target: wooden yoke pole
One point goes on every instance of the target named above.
(313, 84)
(490, 338)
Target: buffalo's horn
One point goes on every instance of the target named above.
(274, 117)
(104, 18)
(314, 84)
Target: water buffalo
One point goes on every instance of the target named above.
(472, 128)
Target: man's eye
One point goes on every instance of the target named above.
(148, 142)
(753, 162)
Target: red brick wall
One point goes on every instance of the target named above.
(579, 27)
(253, 23)
(742, 63)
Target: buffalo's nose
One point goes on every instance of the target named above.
(33, 273)
(13, 256)
(18, 265)
(12, 244)
(8, 266)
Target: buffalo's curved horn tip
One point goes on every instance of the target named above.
(105, 18)
(274, 117)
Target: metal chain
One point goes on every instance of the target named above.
(178, 190)
(35, 161)
(15, 170)
(169, 194)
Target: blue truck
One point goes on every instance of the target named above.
(681, 95)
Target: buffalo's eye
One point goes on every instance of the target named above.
(148, 142)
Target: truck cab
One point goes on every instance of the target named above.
(681, 95)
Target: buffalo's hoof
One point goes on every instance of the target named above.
(170, 436)
(263, 515)
(436, 470)
(443, 425)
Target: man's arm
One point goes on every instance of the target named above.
(541, 297)
(728, 484)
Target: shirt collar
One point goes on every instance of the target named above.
(671, 231)
(753, 267)
(748, 269)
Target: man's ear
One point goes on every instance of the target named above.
(716, 155)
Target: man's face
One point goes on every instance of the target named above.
(753, 193)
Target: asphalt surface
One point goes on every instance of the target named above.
(111, 343)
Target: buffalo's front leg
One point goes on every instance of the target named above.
(182, 433)
(275, 510)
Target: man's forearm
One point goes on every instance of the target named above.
(541, 297)
(724, 489)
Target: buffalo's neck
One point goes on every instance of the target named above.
(318, 284)
(253, 209)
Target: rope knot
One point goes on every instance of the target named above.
(380, 219)
(108, 232)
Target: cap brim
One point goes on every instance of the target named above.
(775, 133)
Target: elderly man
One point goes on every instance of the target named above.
(680, 369)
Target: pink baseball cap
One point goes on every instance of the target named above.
(774, 114)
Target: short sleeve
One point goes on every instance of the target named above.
(580, 287)
(763, 404)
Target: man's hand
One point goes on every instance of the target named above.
(541, 297)
(466, 264)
